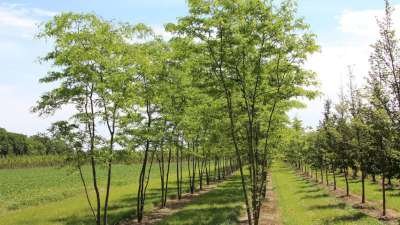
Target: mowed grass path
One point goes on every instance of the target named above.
(44, 196)
(303, 203)
(221, 206)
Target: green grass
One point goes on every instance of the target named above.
(303, 203)
(372, 191)
(222, 205)
(43, 196)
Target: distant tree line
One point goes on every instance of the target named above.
(16, 144)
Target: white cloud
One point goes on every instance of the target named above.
(356, 31)
(363, 23)
(19, 21)
(18, 59)
(160, 30)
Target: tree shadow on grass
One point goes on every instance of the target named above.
(219, 206)
(353, 217)
(309, 190)
(117, 211)
(322, 195)
(328, 206)
(125, 207)
(206, 216)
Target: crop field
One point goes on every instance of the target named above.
(55, 195)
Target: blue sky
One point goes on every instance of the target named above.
(345, 29)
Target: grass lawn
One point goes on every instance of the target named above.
(43, 196)
(222, 205)
(303, 203)
(372, 191)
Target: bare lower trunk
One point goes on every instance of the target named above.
(347, 181)
(362, 186)
(167, 178)
(96, 190)
(383, 196)
(140, 194)
(86, 191)
(373, 178)
(316, 175)
(322, 176)
(105, 215)
(177, 174)
(334, 179)
(326, 177)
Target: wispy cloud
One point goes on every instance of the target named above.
(17, 20)
(355, 32)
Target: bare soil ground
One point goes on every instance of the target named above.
(370, 208)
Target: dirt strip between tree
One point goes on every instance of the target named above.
(369, 208)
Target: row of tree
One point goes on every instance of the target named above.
(216, 93)
(359, 136)
(18, 144)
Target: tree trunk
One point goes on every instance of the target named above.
(383, 196)
(140, 194)
(373, 178)
(322, 176)
(347, 181)
(316, 175)
(167, 177)
(326, 177)
(334, 179)
(362, 186)
(86, 190)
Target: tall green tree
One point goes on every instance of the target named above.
(91, 64)
(252, 53)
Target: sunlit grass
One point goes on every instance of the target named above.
(220, 206)
(372, 191)
(42, 196)
(303, 203)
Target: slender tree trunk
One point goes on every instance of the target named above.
(105, 211)
(347, 181)
(334, 179)
(167, 177)
(326, 177)
(96, 189)
(181, 173)
(316, 175)
(322, 176)
(177, 174)
(91, 126)
(86, 191)
(160, 160)
(207, 172)
(140, 194)
(373, 178)
(383, 196)
(362, 186)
